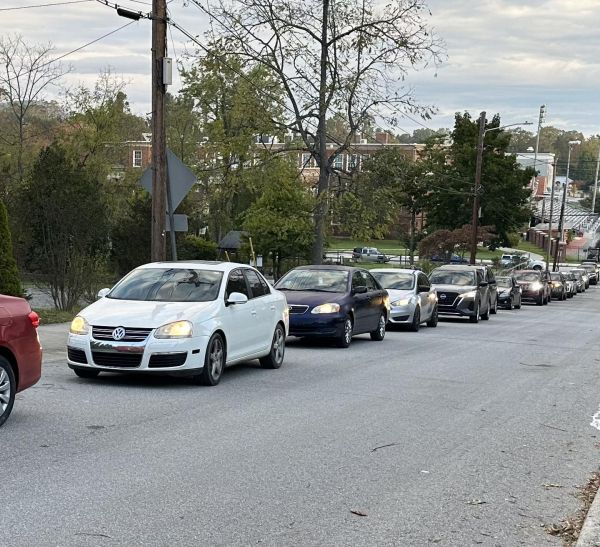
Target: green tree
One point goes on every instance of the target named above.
(279, 222)
(64, 223)
(505, 192)
(9, 276)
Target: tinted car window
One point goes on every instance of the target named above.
(169, 285)
(424, 282)
(314, 280)
(257, 286)
(236, 283)
(449, 277)
(371, 283)
(358, 280)
(504, 282)
(395, 280)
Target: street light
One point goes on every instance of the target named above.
(564, 200)
(478, 165)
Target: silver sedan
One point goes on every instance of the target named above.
(412, 300)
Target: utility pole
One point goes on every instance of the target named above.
(159, 154)
(549, 250)
(478, 165)
(596, 183)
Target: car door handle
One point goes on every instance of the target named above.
(272, 308)
(253, 312)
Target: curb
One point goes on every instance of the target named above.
(590, 531)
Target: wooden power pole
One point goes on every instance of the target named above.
(159, 149)
(476, 189)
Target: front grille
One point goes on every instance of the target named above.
(77, 355)
(158, 360)
(106, 359)
(447, 298)
(297, 309)
(131, 334)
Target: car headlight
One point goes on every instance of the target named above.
(178, 329)
(401, 302)
(470, 294)
(79, 326)
(536, 286)
(326, 308)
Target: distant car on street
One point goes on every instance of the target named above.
(336, 302)
(592, 270)
(369, 254)
(20, 351)
(189, 318)
(412, 299)
(535, 285)
(449, 259)
(558, 285)
(509, 292)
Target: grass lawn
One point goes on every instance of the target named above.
(529, 247)
(391, 246)
(51, 316)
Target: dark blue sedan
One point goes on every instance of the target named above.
(335, 302)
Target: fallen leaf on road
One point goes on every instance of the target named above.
(476, 502)
(383, 446)
(548, 485)
(358, 513)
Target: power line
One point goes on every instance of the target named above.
(117, 7)
(86, 45)
(47, 5)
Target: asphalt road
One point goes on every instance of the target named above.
(472, 421)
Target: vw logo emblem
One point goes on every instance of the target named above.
(118, 333)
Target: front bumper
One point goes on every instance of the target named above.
(462, 307)
(402, 314)
(326, 325)
(152, 356)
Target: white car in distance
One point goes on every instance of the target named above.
(181, 318)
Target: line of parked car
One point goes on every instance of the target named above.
(196, 318)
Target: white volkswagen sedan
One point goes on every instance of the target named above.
(188, 318)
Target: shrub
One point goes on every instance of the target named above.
(195, 248)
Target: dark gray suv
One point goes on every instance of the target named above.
(490, 279)
(462, 291)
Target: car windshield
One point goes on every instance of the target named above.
(555, 277)
(504, 282)
(314, 280)
(529, 276)
(169, 285)
(395, 280)
(447, 277)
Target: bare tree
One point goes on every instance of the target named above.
(26, 70)
(348, 56)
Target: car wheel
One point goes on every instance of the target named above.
(494, 309)
(8, 389)
(486, 316)
(416, 322)
(509, 304)
(379, 333)
(540, 300)
(544, 301)
(475, 317)
(344, 340)
(275, 357)
(433, 320)
(86, 372)
(518, 307)
(214, 362)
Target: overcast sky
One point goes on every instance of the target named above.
(506, 56)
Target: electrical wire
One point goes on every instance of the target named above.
(49, 4)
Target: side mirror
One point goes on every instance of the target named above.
(102, 293)
(483, 284)
(237, 298)
(423, 288)
(359, 290)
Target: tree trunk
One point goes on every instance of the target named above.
(322, 188)
(413, 228)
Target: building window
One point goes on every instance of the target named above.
(137, 158)
(338, 162)
(307, 161)
(354, 162)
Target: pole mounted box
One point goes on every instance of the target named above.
(167, 71)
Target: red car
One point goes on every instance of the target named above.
(20, 351)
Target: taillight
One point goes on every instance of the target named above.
(35, 319)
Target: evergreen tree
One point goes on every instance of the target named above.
(9, 276)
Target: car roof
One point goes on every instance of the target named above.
(396, 270)
(528, 271)
(213, 265)
(329, 267)
(464, 267)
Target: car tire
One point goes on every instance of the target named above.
(8, 389)
(416, 322)
(494, 310)
(214, 362)
(509, 305)
(486, 316)
(519, 306)
(544, 301)
(539, 301)
(433, 320)
(88, 373)
(475, 317)
(274, 359)
(379, 333)
(344, 340)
